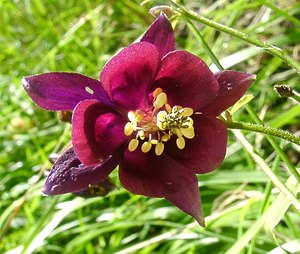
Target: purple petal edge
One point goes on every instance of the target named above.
(97, 131)
(161, 176)
(188, 200)
(161, 34)
(233, 85)
(187, 80)
(68, 174)
(63, 90)
(127, 76)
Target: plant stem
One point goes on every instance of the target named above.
(238, 34)
(296, 97)
(264, 129)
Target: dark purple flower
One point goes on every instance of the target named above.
(153, 112)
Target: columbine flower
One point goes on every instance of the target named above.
(153, 112)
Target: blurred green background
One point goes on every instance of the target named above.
(245, 213)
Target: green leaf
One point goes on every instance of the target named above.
(242, 101)
(281, 205)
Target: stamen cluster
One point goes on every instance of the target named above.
(158, 126)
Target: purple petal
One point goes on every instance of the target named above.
(206, 151)
(63, 91)
(187, 80)
(160, 176)
(68, 174)
(161, 34)
(188, 200)
(97, 131)
(128, 75)
(233, 85)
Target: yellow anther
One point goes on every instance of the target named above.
(159, 149)
(160, 123)
(160, 101)
(128, 129)
(154, 141)
(141, 134)
(165, 138)
(134, 124)
(160, 120)
(188, 132)
(146, 147)
(161, 115)
(131, 116)
(190, 121)
(156, 92)
(187, 111)
(178, 132)
(138, 117)
(180, 142)
(133, 144)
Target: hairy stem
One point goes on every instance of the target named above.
(238, 34)
(264, 129)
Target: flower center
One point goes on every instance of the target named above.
(157, 126)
